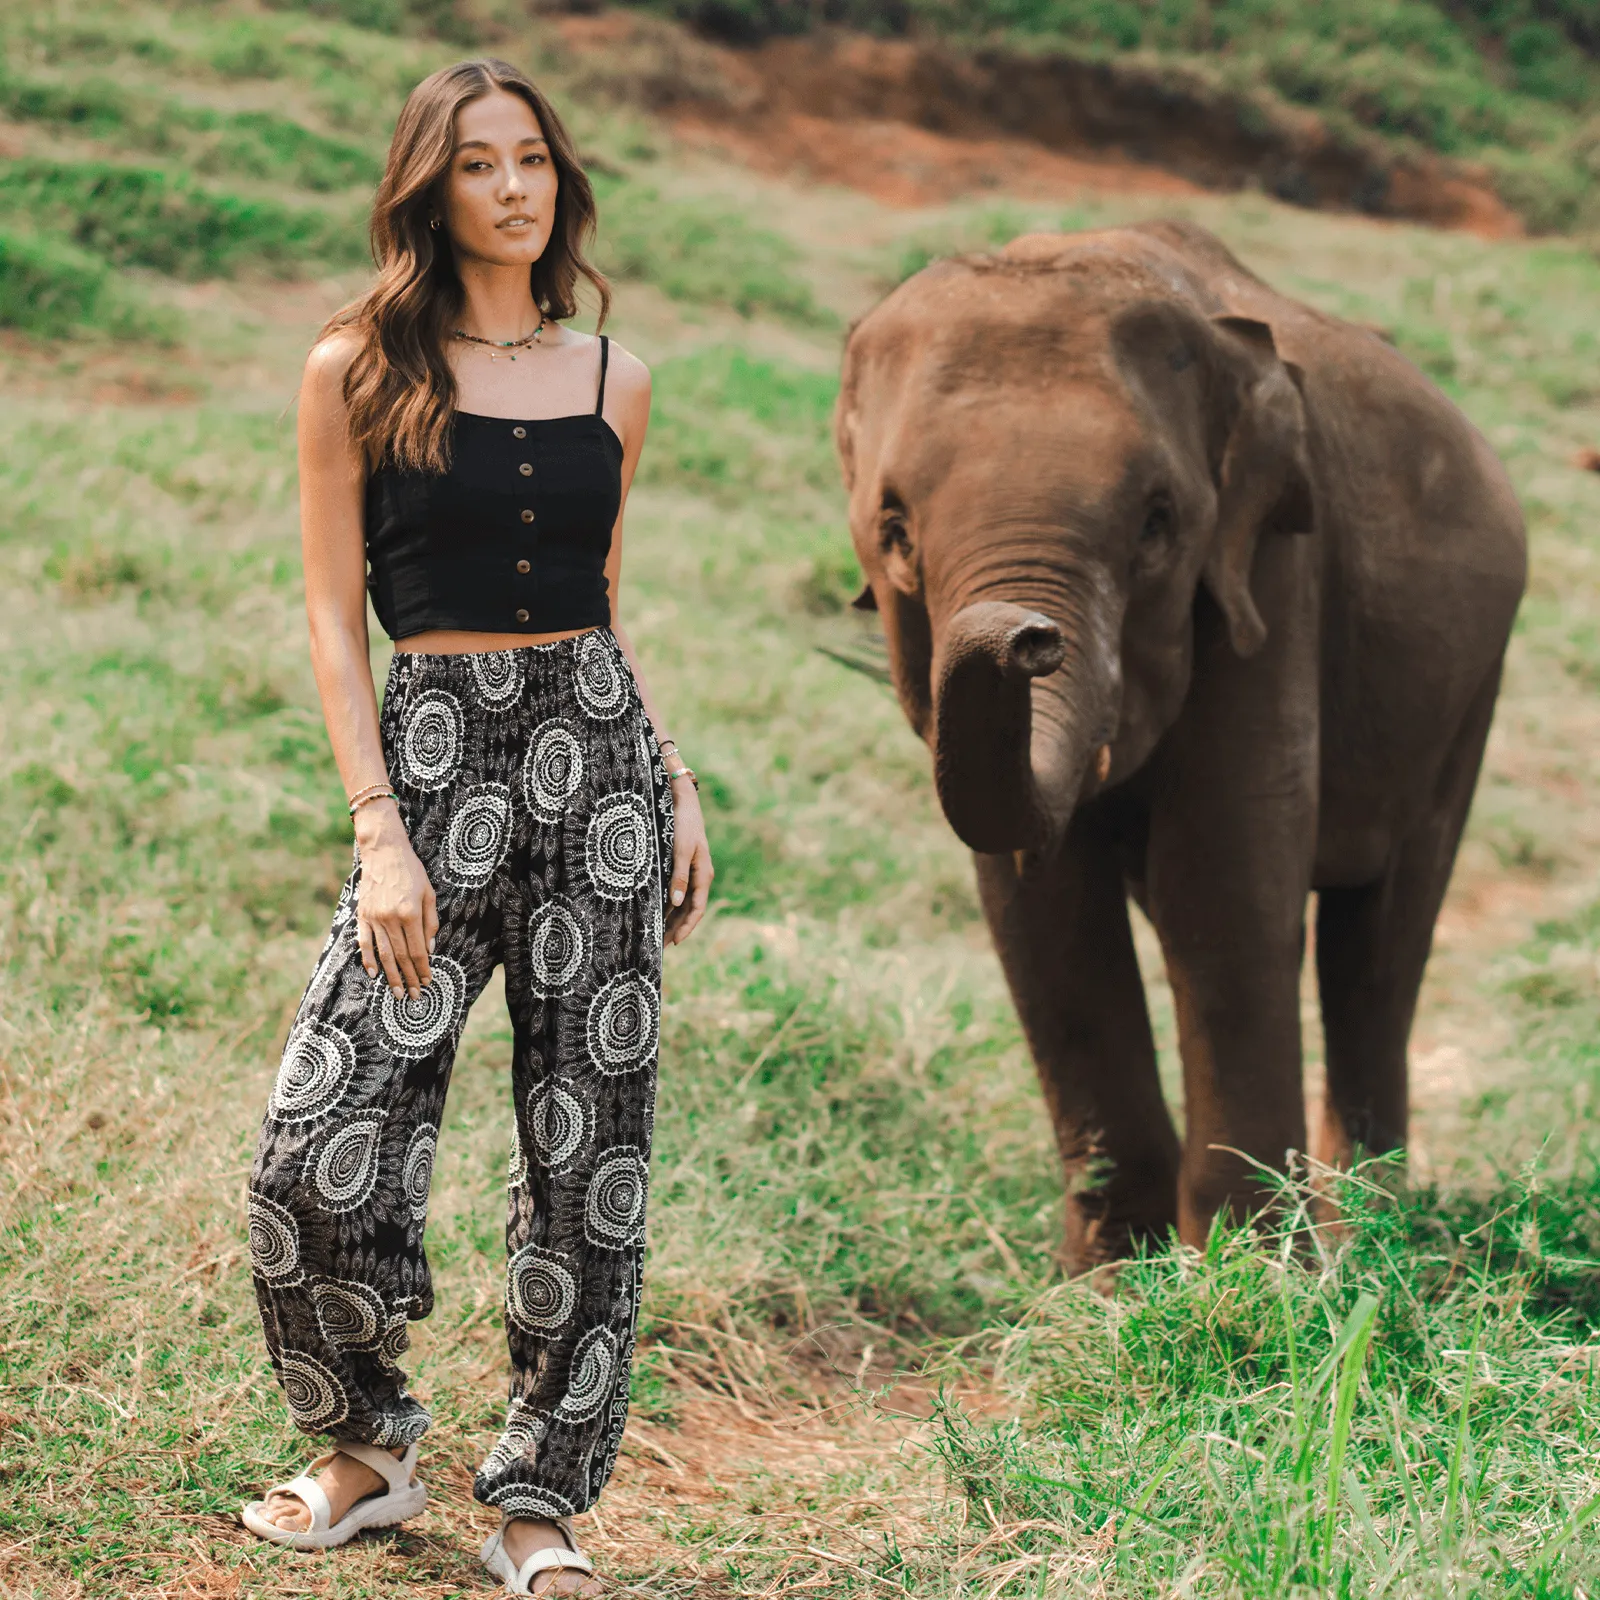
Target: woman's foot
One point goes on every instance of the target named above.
(344, 1480)
(523, 1535)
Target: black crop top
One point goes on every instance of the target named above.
(513, 538)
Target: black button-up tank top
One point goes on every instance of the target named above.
(513, 538)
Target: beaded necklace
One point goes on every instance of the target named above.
(503, 344)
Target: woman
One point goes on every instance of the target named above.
(516, 800)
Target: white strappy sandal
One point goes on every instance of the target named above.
(403, 1498)
(518, 1579)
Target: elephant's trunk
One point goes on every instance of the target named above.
(1021, 709)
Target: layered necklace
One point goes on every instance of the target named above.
(503, 344)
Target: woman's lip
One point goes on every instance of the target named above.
(515, 222)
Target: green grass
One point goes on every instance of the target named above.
(852, 1172)
(1392, 1408)
(250, 144)
(53, 289)
(154, 217)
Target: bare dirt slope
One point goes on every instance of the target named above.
(914, 123)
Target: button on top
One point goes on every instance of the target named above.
(524, 566)
(526, 469)
(519, 432)
(522, 616)
(527, 515)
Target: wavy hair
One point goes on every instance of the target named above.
(399, 389)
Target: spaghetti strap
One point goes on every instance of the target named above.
(600, 398)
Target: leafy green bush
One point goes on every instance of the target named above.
(145, 216)
(50, 289)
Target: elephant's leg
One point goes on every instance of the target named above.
(1061, 929)
(1232, 838)
(1372, 948)
(1232, 929)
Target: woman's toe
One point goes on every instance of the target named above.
(290, 1515)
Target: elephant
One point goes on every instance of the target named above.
(1198, 596)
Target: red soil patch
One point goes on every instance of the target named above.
(912, 122)
(902, 165)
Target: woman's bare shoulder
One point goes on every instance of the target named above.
(327, 363)
(628, 372)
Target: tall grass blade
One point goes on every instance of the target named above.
(1458, 1452)
(1351, 1349)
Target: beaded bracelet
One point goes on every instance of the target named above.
(385, 794)
(366, 789)
(688, 772)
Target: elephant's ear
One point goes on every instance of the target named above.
(1263, 475)
(844, 413)
(844, 440)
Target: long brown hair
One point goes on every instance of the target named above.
(399, 389)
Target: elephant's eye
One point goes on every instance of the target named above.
(1159, 523)
(894, 537)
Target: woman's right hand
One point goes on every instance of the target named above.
(397, 913)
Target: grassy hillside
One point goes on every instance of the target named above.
(852, 1178)
(1514, 84)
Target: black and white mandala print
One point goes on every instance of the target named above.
(623, 1024)
(591, 1376)
(522, 1500)
(274, 1244)
(416, 1171)
(343, 1163)
(351, 1315)
(397, 1429)
(414, 1028)
(396, 1340)
(552, 769)
(597, 678)
(316, 1397)
(559, 947)
(613, 1209)
(431, 736)
(318, 1063)
(498, 675)
(541, 1289)
(617, 845)
(560, 1123)
(521, 1437)
(480, 831)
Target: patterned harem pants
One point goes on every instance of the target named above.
(535, 795)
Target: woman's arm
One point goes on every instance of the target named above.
(396, 912)
(692, 871)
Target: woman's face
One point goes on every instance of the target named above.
(500, 192)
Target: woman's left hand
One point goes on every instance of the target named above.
(692, 871)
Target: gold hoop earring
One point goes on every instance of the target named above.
(433, 222)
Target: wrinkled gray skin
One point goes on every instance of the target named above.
(1198, 595)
